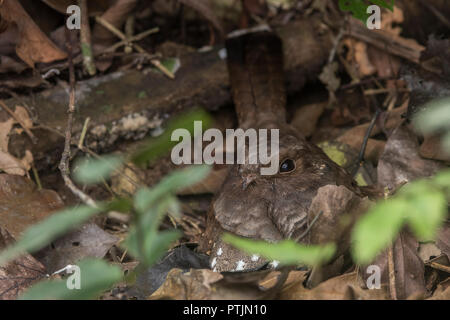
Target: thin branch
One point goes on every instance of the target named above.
(64, 165)
(362, 151)
(138, 48)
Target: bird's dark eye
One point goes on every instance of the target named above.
(287, 166)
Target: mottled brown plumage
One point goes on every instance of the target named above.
(272, 207)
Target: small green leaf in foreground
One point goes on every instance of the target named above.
(377, 228)
(174, 182)
(287, 252)
(96, 276)
(155, 147)
(38, 236)
(91, 171)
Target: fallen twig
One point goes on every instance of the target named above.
(64, 165)
(138, 48)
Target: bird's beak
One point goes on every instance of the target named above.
(247, 180)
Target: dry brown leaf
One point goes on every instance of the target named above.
(357, 55)
(204, 284)
(442, 291)
(95, 7)
(401, 161)
(23, 117)
(211, 184)
(431, 148)
(345, 287)
(409, 268)
(306, 117)
(22, 205)
(87, 241)
(5, 129)
(8, 64)
(205, 8)
(20, 274)
(11, 165)
(32, 44)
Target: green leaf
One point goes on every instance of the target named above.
(442, 179)
(287, 252)
(377, 228)
(436, 116)
(162, 144)
(96, 276)
(153, 245)
(427, 214)
(38, 236)
(174, 182)
(91, 171)
(359, 7)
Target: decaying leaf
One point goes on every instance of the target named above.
(89, 241)
(338, 208)
(345, 287)
(204, 7)
(32, 44)
(306, 117)
(22, 205)
(181, 257)
(401, 162)
(12, 165)
(409, 268)
(9, 163)
(18, 275)
(8, 64)
(442, 292)
(204, 284)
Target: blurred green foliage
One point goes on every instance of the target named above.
(358, 8)
(149, 206)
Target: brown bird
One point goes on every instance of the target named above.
(307, 184)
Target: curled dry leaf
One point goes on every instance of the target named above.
(32, 45)
(9, 163)
(12, 165)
